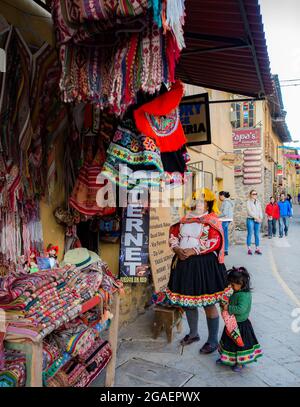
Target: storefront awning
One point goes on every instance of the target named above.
(226, 47)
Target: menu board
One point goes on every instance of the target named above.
(159, 251)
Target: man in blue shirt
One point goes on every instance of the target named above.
(285, 214)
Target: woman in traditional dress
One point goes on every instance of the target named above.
(198, 273)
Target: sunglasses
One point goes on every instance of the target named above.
(254, 193)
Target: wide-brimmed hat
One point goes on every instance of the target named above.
(80, 257)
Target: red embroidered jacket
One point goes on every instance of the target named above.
(213, 243)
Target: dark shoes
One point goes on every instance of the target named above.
(208, 348)
(237, 368)
(249, 252)
(187, 340)
(226, 253)
(258, 251)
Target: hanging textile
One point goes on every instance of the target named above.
(48, 118)
(15, 99)
(85, 192)
(104, 67)
(160, 119)
(135, 151)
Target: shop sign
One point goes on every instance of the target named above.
(194, 117)
(231, 159)
(252, 171)
(246, 138)
(159, 251)
(134, 255)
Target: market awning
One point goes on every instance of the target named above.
(226, 47)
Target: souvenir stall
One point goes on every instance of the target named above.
(106, 96)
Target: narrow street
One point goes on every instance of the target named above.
(143, 361)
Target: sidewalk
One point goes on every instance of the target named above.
(143, 361)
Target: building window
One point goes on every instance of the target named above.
(242, 114)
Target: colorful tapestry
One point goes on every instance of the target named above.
(48, 118)
(88, 188)
(110, 68)
(13, 374)
(135, 152)
(15, 100)
(95, 362)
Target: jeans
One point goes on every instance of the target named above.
(272, 227)
(225, 226)
(284, 222)
(252, 226)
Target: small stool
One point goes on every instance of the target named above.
(167, 317)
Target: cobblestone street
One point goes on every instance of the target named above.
(143, 361)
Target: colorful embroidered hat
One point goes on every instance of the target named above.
(80, 257)
(160, 119)
(204, 193)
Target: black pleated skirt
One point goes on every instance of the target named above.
(231, 353)
(197, 281)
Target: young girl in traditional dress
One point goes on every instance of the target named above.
(239, 305)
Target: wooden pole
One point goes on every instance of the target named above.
(113, 340)
(37, 364)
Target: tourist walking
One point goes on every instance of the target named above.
(290, 199)
(285, 214)
(226, 216)
(232, 354)
(272, 212)
(198, 274)
(254, 220)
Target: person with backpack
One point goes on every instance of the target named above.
(285, 214)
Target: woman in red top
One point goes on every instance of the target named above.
(198, 273)
(272, 211)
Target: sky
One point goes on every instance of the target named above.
(281, 19)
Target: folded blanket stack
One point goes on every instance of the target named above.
(54, 306)
(13, 373)
(81, 355)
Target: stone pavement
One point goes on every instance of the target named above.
(143, 361)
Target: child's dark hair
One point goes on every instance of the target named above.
(210, 205)
(224, 193)
(239, 275)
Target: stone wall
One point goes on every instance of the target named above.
(268, 180)
(240, 210)
(133, 303)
